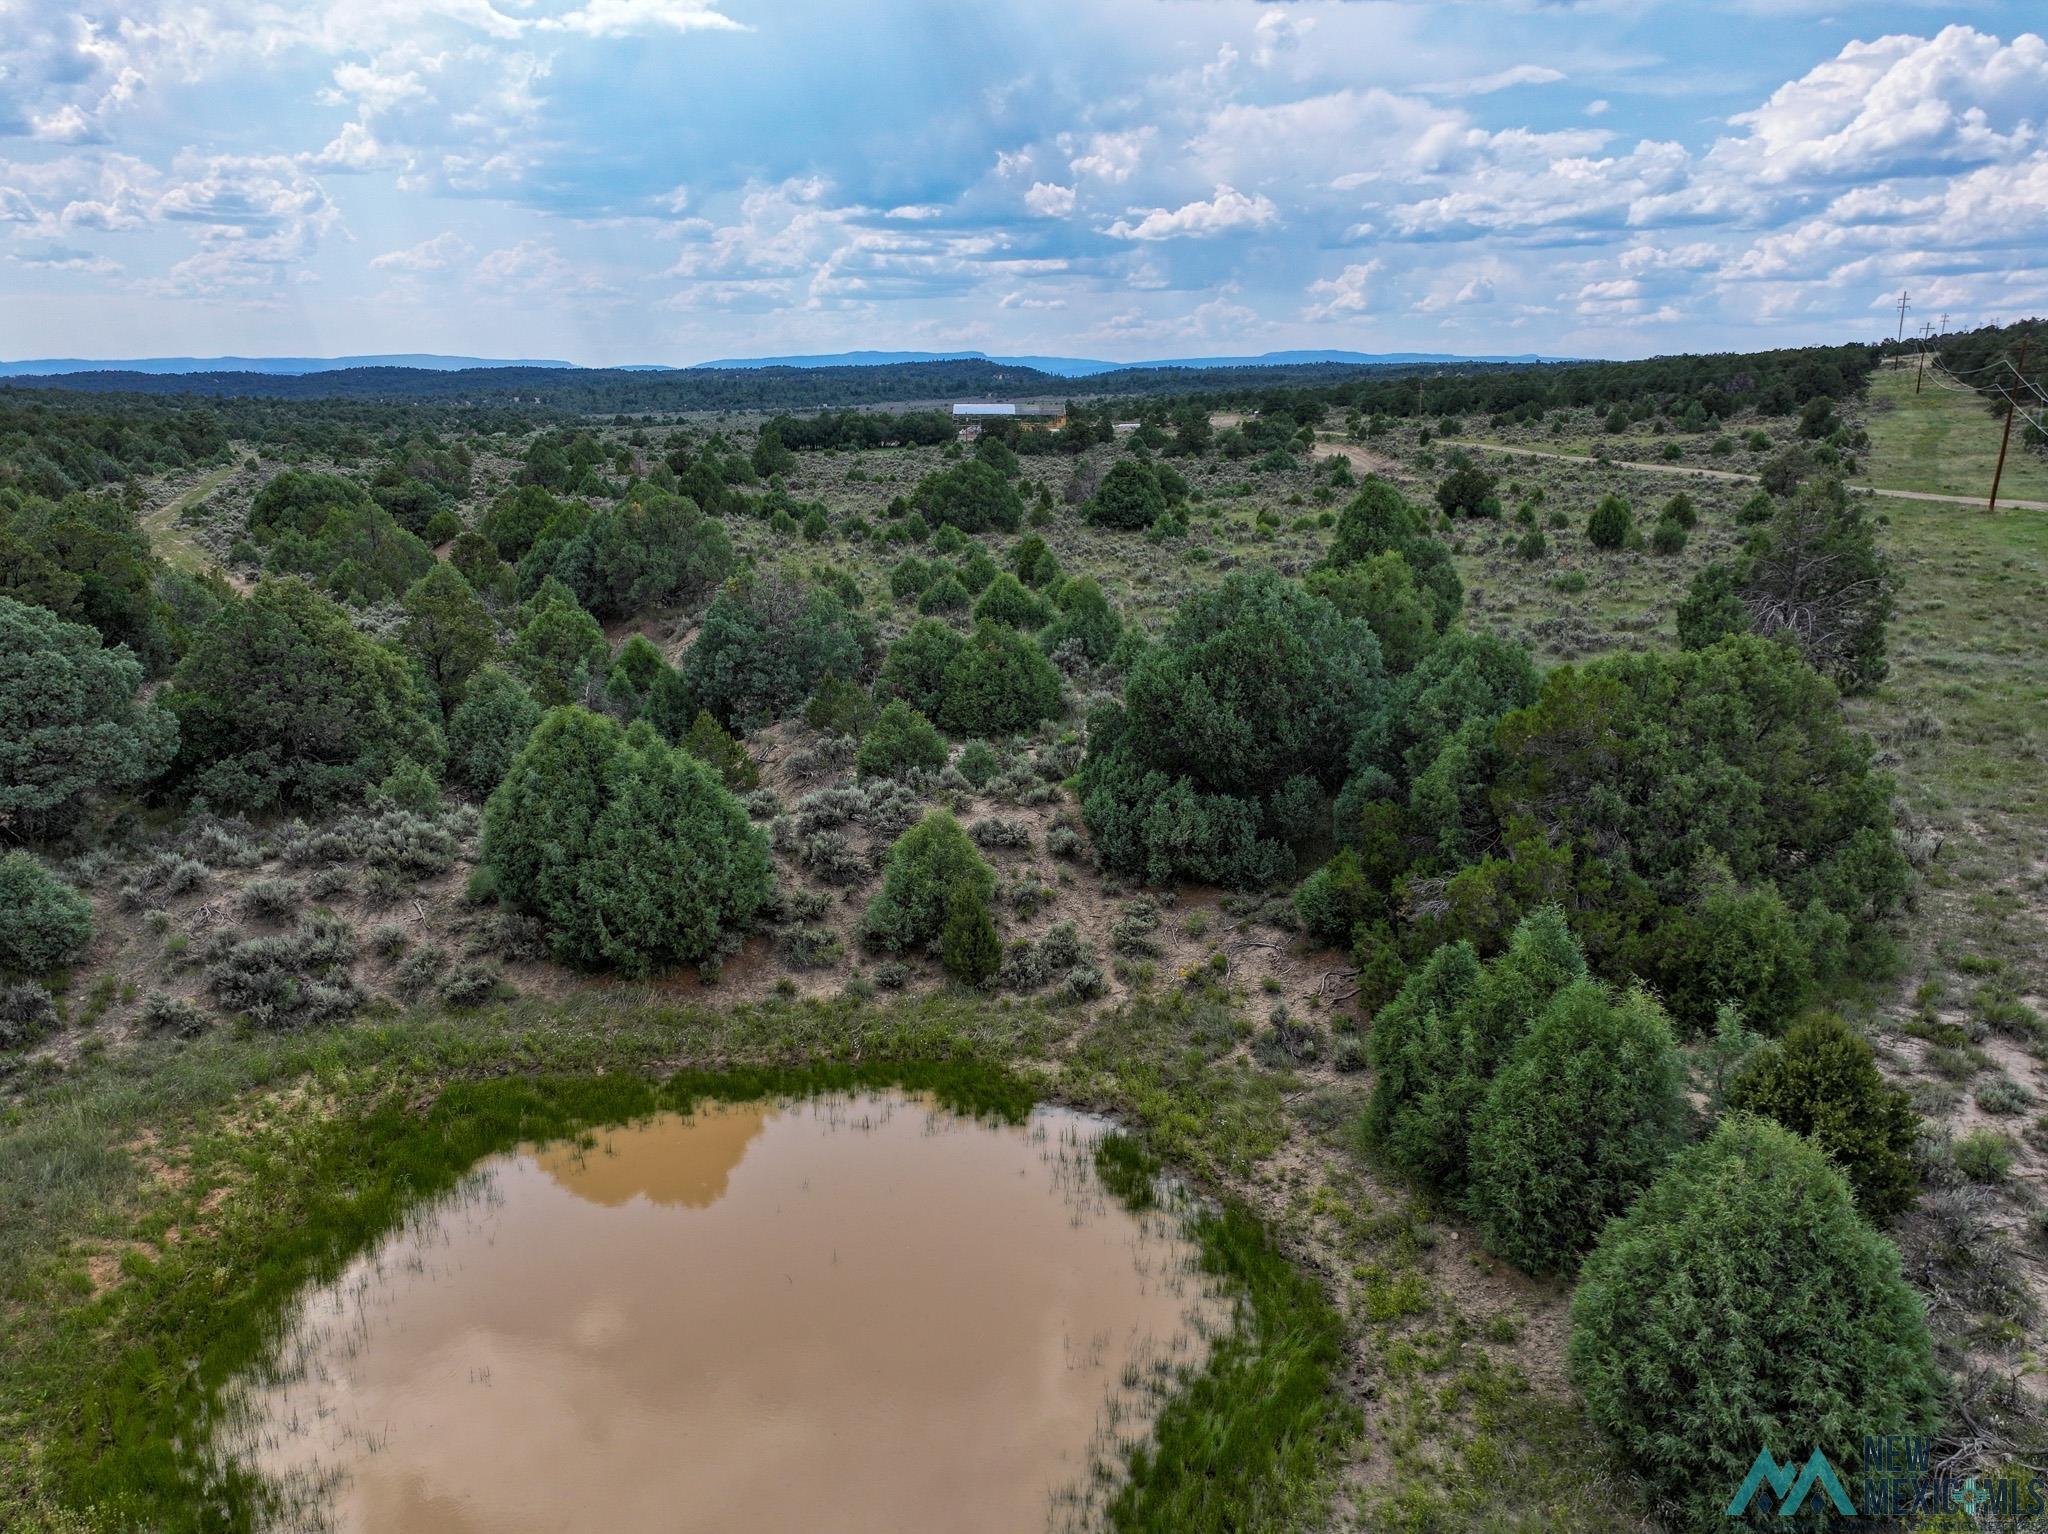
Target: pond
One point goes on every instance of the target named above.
(845, 1312)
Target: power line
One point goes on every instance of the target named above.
(2011, 407)
(1959, 373)
(2025, 382)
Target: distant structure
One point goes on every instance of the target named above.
(979, 409)
(971, 413)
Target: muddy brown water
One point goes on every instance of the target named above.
(842, 1313)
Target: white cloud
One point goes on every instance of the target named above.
(1499, 80)
(534, 269)
(783, 228)
(433, 255)
(1046, 199)
(1226, 212)
(1511, 184)
(1459, 291)
(1346, 294)
(245, 192)
(1302, 140)
(1221, 317)
(66, 125)
(1111, 156)
(354, 148)
(620, 18)
(1279, 32)
(64, 258)
(382, 85)
(1898, 105)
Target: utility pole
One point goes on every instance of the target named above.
(1944, 324)
(1902, 316)
(1920, 377)
(2011, 403)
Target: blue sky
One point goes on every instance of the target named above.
(673, 180)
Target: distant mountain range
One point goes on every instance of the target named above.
(289, 367)
(1059, 367)
(1083, 367)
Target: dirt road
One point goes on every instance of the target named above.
(1732, 474)
(1362, 459)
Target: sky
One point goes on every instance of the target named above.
(668, 181)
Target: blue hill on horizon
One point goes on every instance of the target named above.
(1060, 367)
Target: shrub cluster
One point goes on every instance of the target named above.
(1232, 731)
(282, 701)
(1741, 1302)
(295, 979)
(44, 922)
(1821, 1081)
(589, 830)
(923, 871)
(1814, 577)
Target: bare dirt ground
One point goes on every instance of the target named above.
(1361, 459)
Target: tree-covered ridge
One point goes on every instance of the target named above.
(1773, 382)
(54, 441)
(49, 448)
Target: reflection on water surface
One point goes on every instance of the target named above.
(837, 1314)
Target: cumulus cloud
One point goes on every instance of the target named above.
(1345, 295)
(383, 84)
(1047, 199)
(1512, 184)
(1270, 142)
(1228, 211)
(1899, 105)
(1278, 32)
(1111, 156)
(354, 148)
(244, 191)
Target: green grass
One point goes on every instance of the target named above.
(1249, 1442)
(1964, 716)
(1944, 440)
(324, 1140)
(173, 542)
